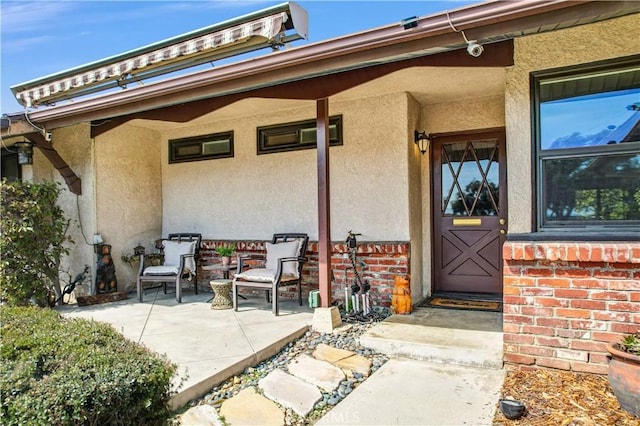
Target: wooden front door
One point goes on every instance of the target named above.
(470, 211)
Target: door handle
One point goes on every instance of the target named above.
(502, 232)
(502, 221)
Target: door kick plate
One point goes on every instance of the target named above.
(467, 222)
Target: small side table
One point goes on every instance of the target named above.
(225, 272)
(220, 267)
(221, 288)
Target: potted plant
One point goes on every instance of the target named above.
(225, 253)
(624, 372)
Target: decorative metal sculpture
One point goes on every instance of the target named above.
(106, 281)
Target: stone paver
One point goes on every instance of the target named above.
(330, 354)
(250, 408)
(201, 415)
(346, 360)
(290, 391)
(317, 372)
(355, 363)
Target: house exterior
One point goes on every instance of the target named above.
(497, 204)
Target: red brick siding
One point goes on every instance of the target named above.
(564, 301)
(383, 261)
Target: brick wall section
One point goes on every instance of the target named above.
(382, 260)
(563, 302)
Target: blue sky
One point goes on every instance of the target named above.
(38, 38)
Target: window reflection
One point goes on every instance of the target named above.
(592, 120)
(470, 179)
(592, 188)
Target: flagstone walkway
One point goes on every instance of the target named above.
(301, 388)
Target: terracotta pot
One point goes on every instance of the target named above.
(624, 377)
(401, 299)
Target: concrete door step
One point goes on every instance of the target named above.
(477, 348)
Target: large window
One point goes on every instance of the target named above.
(295, 136)
(207, 147)
(587, 135)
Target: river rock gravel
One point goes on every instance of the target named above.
(345, 337)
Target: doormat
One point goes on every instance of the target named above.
(476, 305)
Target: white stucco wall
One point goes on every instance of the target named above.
(129, 193)
(251, 196)
(461, 115)
(574, 46)
(74, 146)
(418, 281)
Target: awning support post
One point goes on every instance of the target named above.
(324, 206)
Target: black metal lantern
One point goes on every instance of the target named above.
(25, 152)
(422, 139)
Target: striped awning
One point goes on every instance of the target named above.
(157, 59)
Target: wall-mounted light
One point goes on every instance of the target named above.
(422, 139)
(25, 152)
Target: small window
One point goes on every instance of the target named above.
(295, 136)
(588, 147)
(217, 145)
(10, 169)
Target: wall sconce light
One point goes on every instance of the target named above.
(25, 152)
(422, 139)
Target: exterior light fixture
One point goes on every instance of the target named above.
(25, 152)
(422, 139)
(474, 48)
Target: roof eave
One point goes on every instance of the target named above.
(486, 22)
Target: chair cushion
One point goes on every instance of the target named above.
(174, 249)
(161, 270)
(258, 274)
(279, 250)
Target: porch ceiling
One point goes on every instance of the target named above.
(428, 85)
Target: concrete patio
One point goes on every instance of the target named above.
(208, 345)
(446, 364)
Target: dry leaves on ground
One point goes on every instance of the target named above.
(563, 398)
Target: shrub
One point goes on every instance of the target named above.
(77, 372)
(33, 234)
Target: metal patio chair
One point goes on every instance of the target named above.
(179, 264)
(285, 258)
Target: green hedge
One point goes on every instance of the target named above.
(57, 371)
